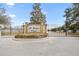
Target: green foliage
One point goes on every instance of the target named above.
(24, 36)
(71, 15)
(4, 19)
(30, 36)
(37, 15)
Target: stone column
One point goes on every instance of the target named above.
(0, 33)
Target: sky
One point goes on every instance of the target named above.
(20, 12)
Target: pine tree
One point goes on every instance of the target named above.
(37, 15)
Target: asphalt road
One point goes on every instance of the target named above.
(49, 46)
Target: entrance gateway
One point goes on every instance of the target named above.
(32, 30)
(37, 25)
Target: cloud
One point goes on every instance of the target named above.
(10, 4)
(44, 12)
(12, 15)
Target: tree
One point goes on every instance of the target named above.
(72, 17)
(37, 15)
(68, 17)
(4, 19)
(75, 18)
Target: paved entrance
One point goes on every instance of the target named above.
(49, 46)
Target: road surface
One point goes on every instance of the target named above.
(49, 46)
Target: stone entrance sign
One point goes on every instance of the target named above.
(33, 28)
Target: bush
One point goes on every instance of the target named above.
(30, 36)
(25, 36)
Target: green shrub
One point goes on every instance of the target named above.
(30, 36)
(24, 36)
